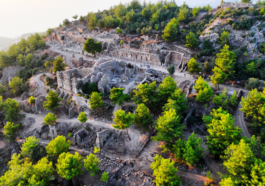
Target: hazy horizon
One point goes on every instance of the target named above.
(19, 17)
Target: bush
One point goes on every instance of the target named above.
(252, 83)
(88, 88)
(10, 129)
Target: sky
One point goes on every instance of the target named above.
(18, 17)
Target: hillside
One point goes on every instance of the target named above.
(139, 94)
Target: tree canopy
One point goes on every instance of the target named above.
(92, 47)
(52, 101)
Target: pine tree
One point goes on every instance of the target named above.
(117, 96)
(145, 93)
(10, 129)
(52, 101)
(222, 131)
(191, 40)
(193, 150)
(165, 172)
(180, 100)
(96, 101)
(82, 117)
(168, 127)
(178, 149)
(69, 165)
(219, 76)
(92, 47)
(166, 88)
(105, 177)
(91, 164)
(58, 64)
(171, 30)
(122, 120)
(142, 117)
(200, 84)
(50, 119)
(194, 66)
(205, 95)
(57, 146)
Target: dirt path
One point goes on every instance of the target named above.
(240, 122)
(67, 55)
(39, 84)
(192, 176)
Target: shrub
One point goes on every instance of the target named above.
(252, 83)
(10, 129)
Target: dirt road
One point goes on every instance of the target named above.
(39, 84)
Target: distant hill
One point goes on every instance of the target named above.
(5, 42)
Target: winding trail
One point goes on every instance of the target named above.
(40, 85)
(240, 122)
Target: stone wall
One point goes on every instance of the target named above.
(236, 5)
(39, 104)
(8, 74)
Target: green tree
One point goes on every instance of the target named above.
(11, 109)
(49, 119)
(171, 30)
(82, 117)
(142, 117)
(165, 172)
(17, 173)
(57, 146)
(42, 173)
(191, 40)
(184, 14)
(193, 150)
(66, 22)
(205, 95)
(119, 31)
(69, 165)
(117, 96)
(52, 101)
(122, 120)
(200, 84)
(75, 17)
(166, 88)
(92, 21)
(92, 47)
(171, 70)
(234, 99)
(194, 66)
(225, 61)
(168, 127)
(10, 130)
(15, 85)
(222, 131)
(195, 11)
(239, 168)
(2, 89)
(49, 31)
(251, 69)
(91, 164)
(222, 99)
(105, 177)
(180, 100)
(245, 1)
(178, 148)
(31, 100)
(224, 38)
(31, 149)
(145, 93)
(28, 59)
(58, 64)
(219, 76)
(96, 101)
(253, 104)
(21, 60)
